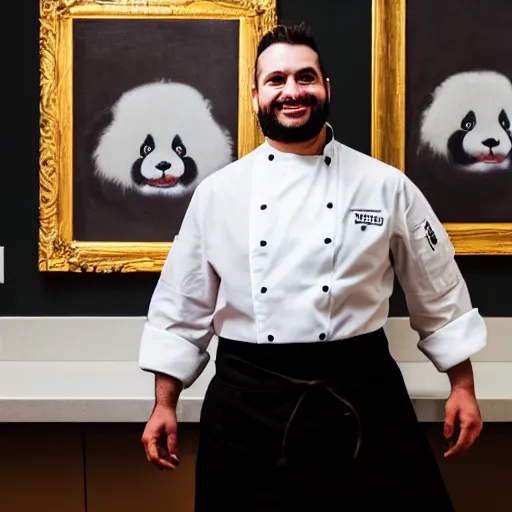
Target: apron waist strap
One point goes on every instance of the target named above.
(335, 367)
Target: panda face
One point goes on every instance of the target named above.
(161, 139)
(468, 122)
(163, 167)
(482, 142)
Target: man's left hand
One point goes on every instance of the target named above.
(462, 407)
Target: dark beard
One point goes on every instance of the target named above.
(274, 130)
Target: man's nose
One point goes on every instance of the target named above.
(291, 88)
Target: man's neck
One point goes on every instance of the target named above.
(313, 146)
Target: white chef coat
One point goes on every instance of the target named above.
(281, 248)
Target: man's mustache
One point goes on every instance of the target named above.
(302, 101)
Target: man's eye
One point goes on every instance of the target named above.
(306, 78)
(276, 80)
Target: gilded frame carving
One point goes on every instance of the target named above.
(58, 250)
(388, 122)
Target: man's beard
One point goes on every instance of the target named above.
(274, 130)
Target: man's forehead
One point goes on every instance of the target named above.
(287, 58)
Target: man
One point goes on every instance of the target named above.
(288, 256)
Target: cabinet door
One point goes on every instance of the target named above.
(41, 468)
(118, 477)
(478, 480)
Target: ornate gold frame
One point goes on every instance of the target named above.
(388, 123)
(58, 251)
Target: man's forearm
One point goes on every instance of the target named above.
(461, 376)
(167, 390)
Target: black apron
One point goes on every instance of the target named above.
(323, 426)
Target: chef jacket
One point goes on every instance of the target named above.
(284, 248)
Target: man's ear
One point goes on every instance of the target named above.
(328, 86)
(254, 94)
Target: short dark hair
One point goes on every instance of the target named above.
(297, 34)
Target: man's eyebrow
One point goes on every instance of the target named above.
(307, 69)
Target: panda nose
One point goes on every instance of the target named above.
(491, 143)
(163, 166)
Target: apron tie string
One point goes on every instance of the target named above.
(309, 384)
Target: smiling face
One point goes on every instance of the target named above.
(469, 121)
(484, 139)
(291, 95)
(165, 168)
(162, 139)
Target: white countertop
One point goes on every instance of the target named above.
(48, 391)
(84, 369)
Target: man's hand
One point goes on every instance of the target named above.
(160, 438)
(462, 407)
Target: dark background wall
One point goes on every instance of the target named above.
(343, 30)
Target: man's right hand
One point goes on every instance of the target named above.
(160, 438)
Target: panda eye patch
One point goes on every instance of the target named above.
(469, 122)
(504, 120)
(178, 146)
(147, 146)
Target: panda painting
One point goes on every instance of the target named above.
(161, 140)
(468, 122)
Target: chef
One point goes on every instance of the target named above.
(288, 256)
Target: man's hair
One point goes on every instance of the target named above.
(297, 34)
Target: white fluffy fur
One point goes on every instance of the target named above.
(163, 110)
(486, 93)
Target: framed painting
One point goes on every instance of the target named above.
(139, 102)
(442, 111)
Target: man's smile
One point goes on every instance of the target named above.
(294, 110)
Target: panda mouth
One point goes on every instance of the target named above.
(164, 182)
(490, 158)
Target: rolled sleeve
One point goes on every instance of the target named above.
(179, 325)
(456, 341)
(440, 309)
(167, 353)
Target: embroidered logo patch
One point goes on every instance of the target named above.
(367, 218)
(431, 236)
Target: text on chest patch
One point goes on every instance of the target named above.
(368, 218)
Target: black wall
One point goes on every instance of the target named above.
(343, 30)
